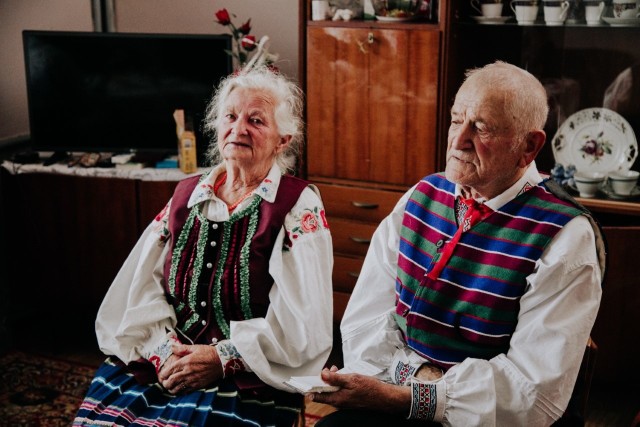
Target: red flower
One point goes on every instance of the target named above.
(309, 223)
(223, 17)
(249, 43)
(246, 27)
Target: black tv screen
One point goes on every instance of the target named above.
(116, 92)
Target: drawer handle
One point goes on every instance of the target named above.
(360, 240)
(364, 205)
(353, 274)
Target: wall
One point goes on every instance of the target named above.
(276, 18)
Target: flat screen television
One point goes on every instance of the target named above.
(116, 92)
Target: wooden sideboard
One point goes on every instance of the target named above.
(64, 239)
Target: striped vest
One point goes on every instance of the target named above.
(471, 310)
(219, 271)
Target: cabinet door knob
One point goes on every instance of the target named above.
(360, 240)
(370, 38)
(364, 205)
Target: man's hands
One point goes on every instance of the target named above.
(190, 367)
(363, 392)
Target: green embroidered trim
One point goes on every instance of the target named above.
(251, 210)
(244, 264)
(179, 248)
(197, 266)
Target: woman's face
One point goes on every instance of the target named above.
(248, 134)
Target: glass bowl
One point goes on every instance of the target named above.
(400, 9)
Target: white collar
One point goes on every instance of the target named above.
(203, 192)
(529, 179)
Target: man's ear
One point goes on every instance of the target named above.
(533, 143)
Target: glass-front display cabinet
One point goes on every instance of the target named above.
(591, 72)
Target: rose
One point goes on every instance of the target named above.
(246, 27)
(223, 17)
(244, 44)
(309, 222)
(590, 147)
(249, 43)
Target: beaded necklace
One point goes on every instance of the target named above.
(221, 180)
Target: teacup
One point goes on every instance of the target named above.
(625, 9)
(623, 182)
(526, 10)
(593, 11)
(488, 8)
(588, 182)
(319, 10)
(555, 12)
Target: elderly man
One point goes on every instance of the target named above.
(480, 289)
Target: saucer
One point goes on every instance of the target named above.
(622, 22)
(491, 21)
(606, 189)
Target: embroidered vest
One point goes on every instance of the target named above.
(471, 310)
(219, 271)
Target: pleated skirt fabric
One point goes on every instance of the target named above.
(115, 398)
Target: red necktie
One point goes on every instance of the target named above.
(475, 212)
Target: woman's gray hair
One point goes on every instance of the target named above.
(288, 101)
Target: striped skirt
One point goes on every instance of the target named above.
(115, 398)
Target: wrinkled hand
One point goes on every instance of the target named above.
(363, 392)
(190, 367)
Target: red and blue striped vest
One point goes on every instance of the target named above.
(219, 271)
(471, 310)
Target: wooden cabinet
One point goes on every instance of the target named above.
(353, 215)
(372, 96)
(64, 239)
(378, 103)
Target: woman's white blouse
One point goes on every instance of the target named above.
(295, 336)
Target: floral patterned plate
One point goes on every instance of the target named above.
(595, 140)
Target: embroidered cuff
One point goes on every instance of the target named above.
(232, 361)
(425, 404)
(423, 401)
(403, 372)
(160, 354)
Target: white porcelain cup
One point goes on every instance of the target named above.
(593, 12)
(623, 182)
(526, 11)
(319, 10)
(625, 9)
(588, 183)
(555, 12)
(488, 9)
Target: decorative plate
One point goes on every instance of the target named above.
(621, 22)
(491, 21)
(595, 140)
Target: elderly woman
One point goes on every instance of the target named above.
(227, 294)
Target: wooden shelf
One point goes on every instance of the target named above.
(611, 206)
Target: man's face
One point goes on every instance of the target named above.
(483, 154)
